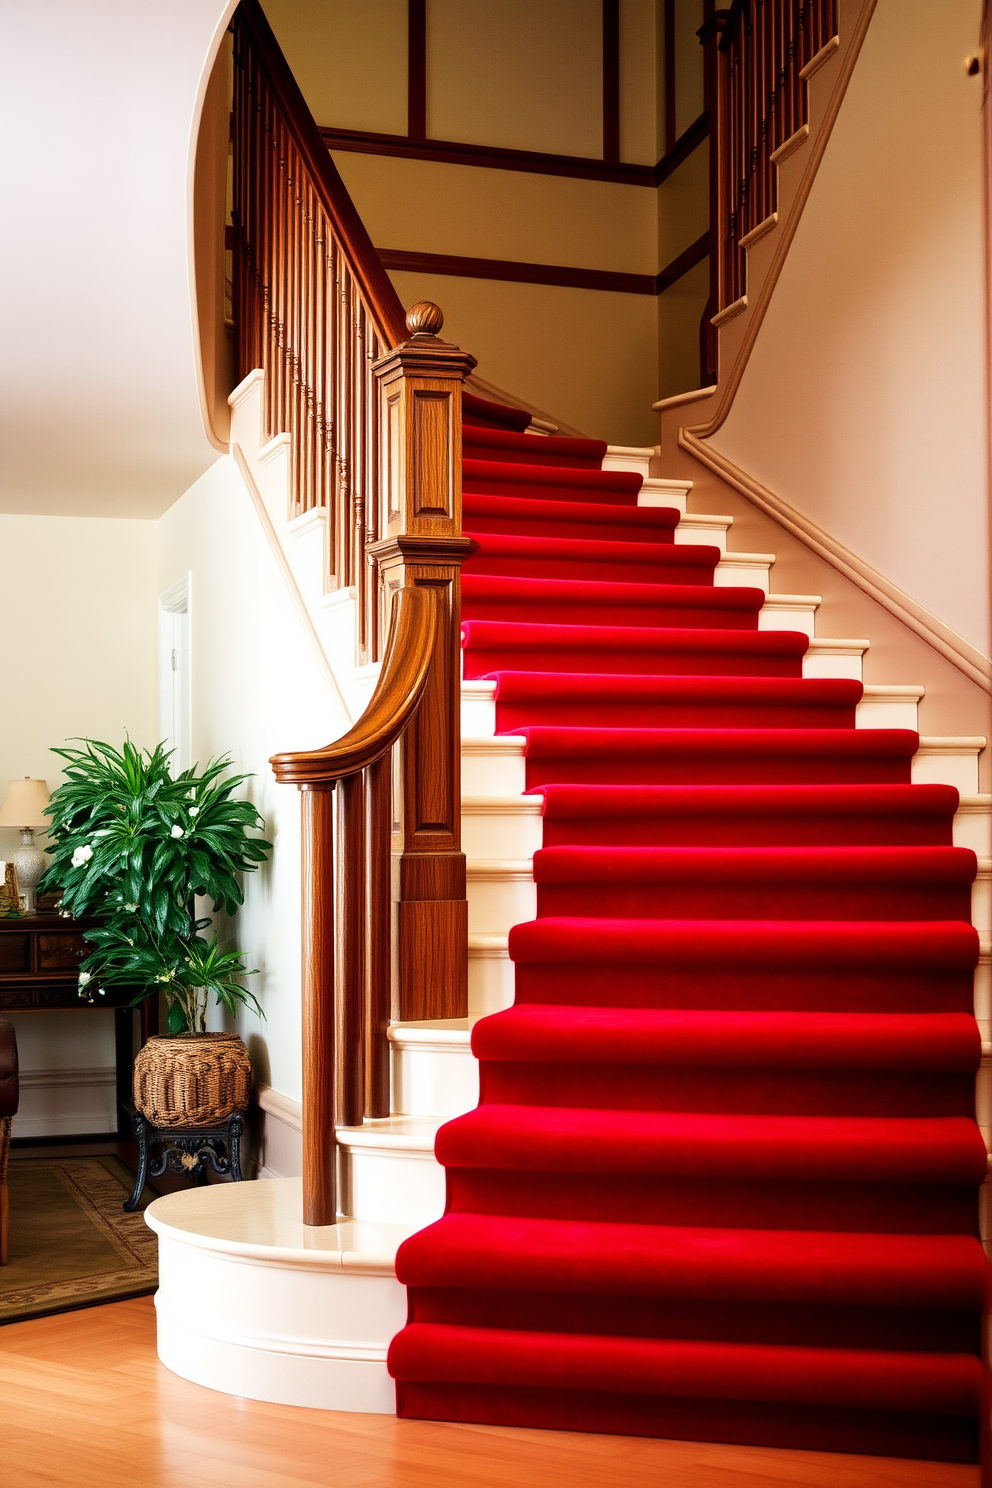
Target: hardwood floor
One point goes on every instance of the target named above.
(84, 1401)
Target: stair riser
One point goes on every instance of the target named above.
(490, 981)
(477, 485)
(493, 836)
(493, 773)
(718, 770)
(433, 1081)
(804, 988)
(496, 902)
(957, 768)
(824, 663)
(710, 1317)
(613, 662)
(383, 1187)
(805, 1092)
(666, 569)
(722, 1202)
(940, 1438)
(479, 719)
(556, 612)
(757, 901)
(590, 713)
(748, 831)
(550, 526)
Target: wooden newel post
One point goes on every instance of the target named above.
(420, 422)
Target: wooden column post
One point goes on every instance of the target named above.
(420, 422)
(319, 1149)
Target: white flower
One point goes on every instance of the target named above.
(131, 908)
(84, 978)
(177, 831)
(194, 811)
(82, 855)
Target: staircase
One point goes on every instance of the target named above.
(722, 1180)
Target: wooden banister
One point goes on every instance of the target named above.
(372, 403)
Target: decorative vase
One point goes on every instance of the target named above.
(192, 1079)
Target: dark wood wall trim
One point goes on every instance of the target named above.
(416, 90)
(450, 152)
(669, 74)
(683, 262)
(611, 81)
(512, 271)
(518, 273)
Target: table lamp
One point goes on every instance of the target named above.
(24, 808)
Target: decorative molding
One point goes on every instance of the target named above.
(823, 55)
(729, 312)
(611, 81)
(517, 273)
(532, 162)
(954, 648)
(757, 233)
(282, 1107)
(559, 275)
(49, 1079)
(417, 69)
(682, 263)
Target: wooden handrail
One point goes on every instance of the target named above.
(400, 687)
(323, 174)
(372, 404)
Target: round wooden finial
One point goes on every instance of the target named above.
(424, 319)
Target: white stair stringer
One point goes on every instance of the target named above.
(302, 542)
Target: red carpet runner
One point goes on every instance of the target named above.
(722, 1180)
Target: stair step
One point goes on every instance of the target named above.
(826, 657)
(521, 1251)
(496, 478)
(827, 1149)
(760, 883)
(596, 561)
(731, 1039)
(643, 700)
(530, 449)
(685, 603)
(563, 519)
(728, 814)
(635, 457)
(789, 612)
(703, 529)
(751, 569)
(506, 645)
(924, 966)
(660, 492)
(647, 756)
(862, 1379)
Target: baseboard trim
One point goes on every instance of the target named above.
(954, 648)
(282, 1107)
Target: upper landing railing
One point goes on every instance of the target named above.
(372, 402)
(759, 56)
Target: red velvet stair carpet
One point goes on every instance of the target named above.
(722, 1180)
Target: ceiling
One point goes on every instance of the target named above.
(99, 405)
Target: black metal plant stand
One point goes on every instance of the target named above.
(189, 1150)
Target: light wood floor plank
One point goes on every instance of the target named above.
(84, 1401)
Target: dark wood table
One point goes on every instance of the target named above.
(39, 959)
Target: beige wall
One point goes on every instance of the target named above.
(513, 74)
(80, 659)
(864, 401)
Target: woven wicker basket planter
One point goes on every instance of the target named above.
(193, 1079)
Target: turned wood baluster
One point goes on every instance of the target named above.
(420, 389)
(378, 943)
(350, 1063)
(319, 1150)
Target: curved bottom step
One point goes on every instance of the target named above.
(252, 1302)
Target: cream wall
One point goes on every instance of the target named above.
(80, 659)
(864, 400)
(256, 689)
(512, 74)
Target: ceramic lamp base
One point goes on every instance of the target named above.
(29, 865)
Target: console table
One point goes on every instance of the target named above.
(39, 957)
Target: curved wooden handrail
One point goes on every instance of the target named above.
(331, 190)
(405, 668)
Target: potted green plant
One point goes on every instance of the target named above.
(134, 845)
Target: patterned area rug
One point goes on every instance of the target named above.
(71, 1244)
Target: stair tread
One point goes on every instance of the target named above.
(771, 864)
(622, 482)
(533, 686)
(520, 1251)
(732, 1038)
(534, 449)
(565, 801)
(942, 1150)
(524, 635)
(551, 741)
(863, 1378)
(515, 508)
(747, 943)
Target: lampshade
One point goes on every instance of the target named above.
(25, 804)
